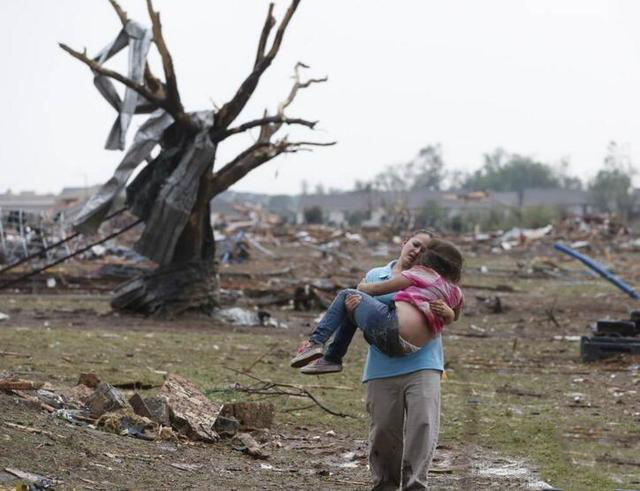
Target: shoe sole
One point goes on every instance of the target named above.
(306, 358)
(312, 371)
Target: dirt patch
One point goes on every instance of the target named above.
(519, 407)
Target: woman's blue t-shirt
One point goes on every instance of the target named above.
(379, 365)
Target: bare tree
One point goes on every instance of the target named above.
(172, 192)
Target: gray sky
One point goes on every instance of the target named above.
(547, 78)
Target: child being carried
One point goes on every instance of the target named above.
(414, 317)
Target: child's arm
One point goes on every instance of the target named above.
(387, 286)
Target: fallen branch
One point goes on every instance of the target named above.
(12, 353)
(610, 459)
(299, 408)
(30, 429)
(260, 358)
(267, 387)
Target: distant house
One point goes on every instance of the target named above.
(377, 206)
(27, 201)
(573, 201)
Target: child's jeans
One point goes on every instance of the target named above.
(378, 322)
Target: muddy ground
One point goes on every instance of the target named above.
(519, 411)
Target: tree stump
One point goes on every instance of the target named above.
(169, 291)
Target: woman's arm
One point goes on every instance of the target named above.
(387, 286)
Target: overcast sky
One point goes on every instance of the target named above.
(546, 78)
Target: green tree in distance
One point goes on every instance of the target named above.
(511, 172)
(612, 190)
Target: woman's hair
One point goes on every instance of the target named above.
(419, 231)
(444, 258)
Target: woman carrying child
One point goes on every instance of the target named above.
(407, 324)
(403, 393)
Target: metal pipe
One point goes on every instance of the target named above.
(598, 268)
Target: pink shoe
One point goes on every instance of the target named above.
(307, 352)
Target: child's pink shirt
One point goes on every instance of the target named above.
(427, 286)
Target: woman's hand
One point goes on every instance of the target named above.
(439, 307)
(364, 287)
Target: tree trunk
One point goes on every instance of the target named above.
(187, 283)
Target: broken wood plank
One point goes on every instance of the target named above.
(105, 398)
(19, 384)
(192, 413)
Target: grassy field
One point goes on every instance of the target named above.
(515, 392)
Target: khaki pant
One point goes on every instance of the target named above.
(409, 406)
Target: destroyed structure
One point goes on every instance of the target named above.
(171, 195)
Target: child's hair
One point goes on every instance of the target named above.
(444, 258)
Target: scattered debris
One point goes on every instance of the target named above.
(250, 415)
(492, 304)
(186, 467)
(37, 482)
(159, 409)
(89, 379)
(104, 399)
(245, 443)
(226, 426)
(508, 389)
(125, 422)
(139, 406)
(238, 316)
(266, 387)
(192, 414)
(601, 270)
(612, 337)
(19, 384)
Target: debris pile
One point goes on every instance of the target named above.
(612, 337)
(179, 410)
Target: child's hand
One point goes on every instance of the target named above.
(351, 302)
(439, 307)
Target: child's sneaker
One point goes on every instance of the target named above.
(320, 367)
(307, 352)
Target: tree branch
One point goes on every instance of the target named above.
(173, 96)
(97, 67)
(253, 157)
(283, 27)
(153, 83)
(232, 172)
(266, 29)
(267, 120)
(121, 13)
(297, 86)
(228, 112)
